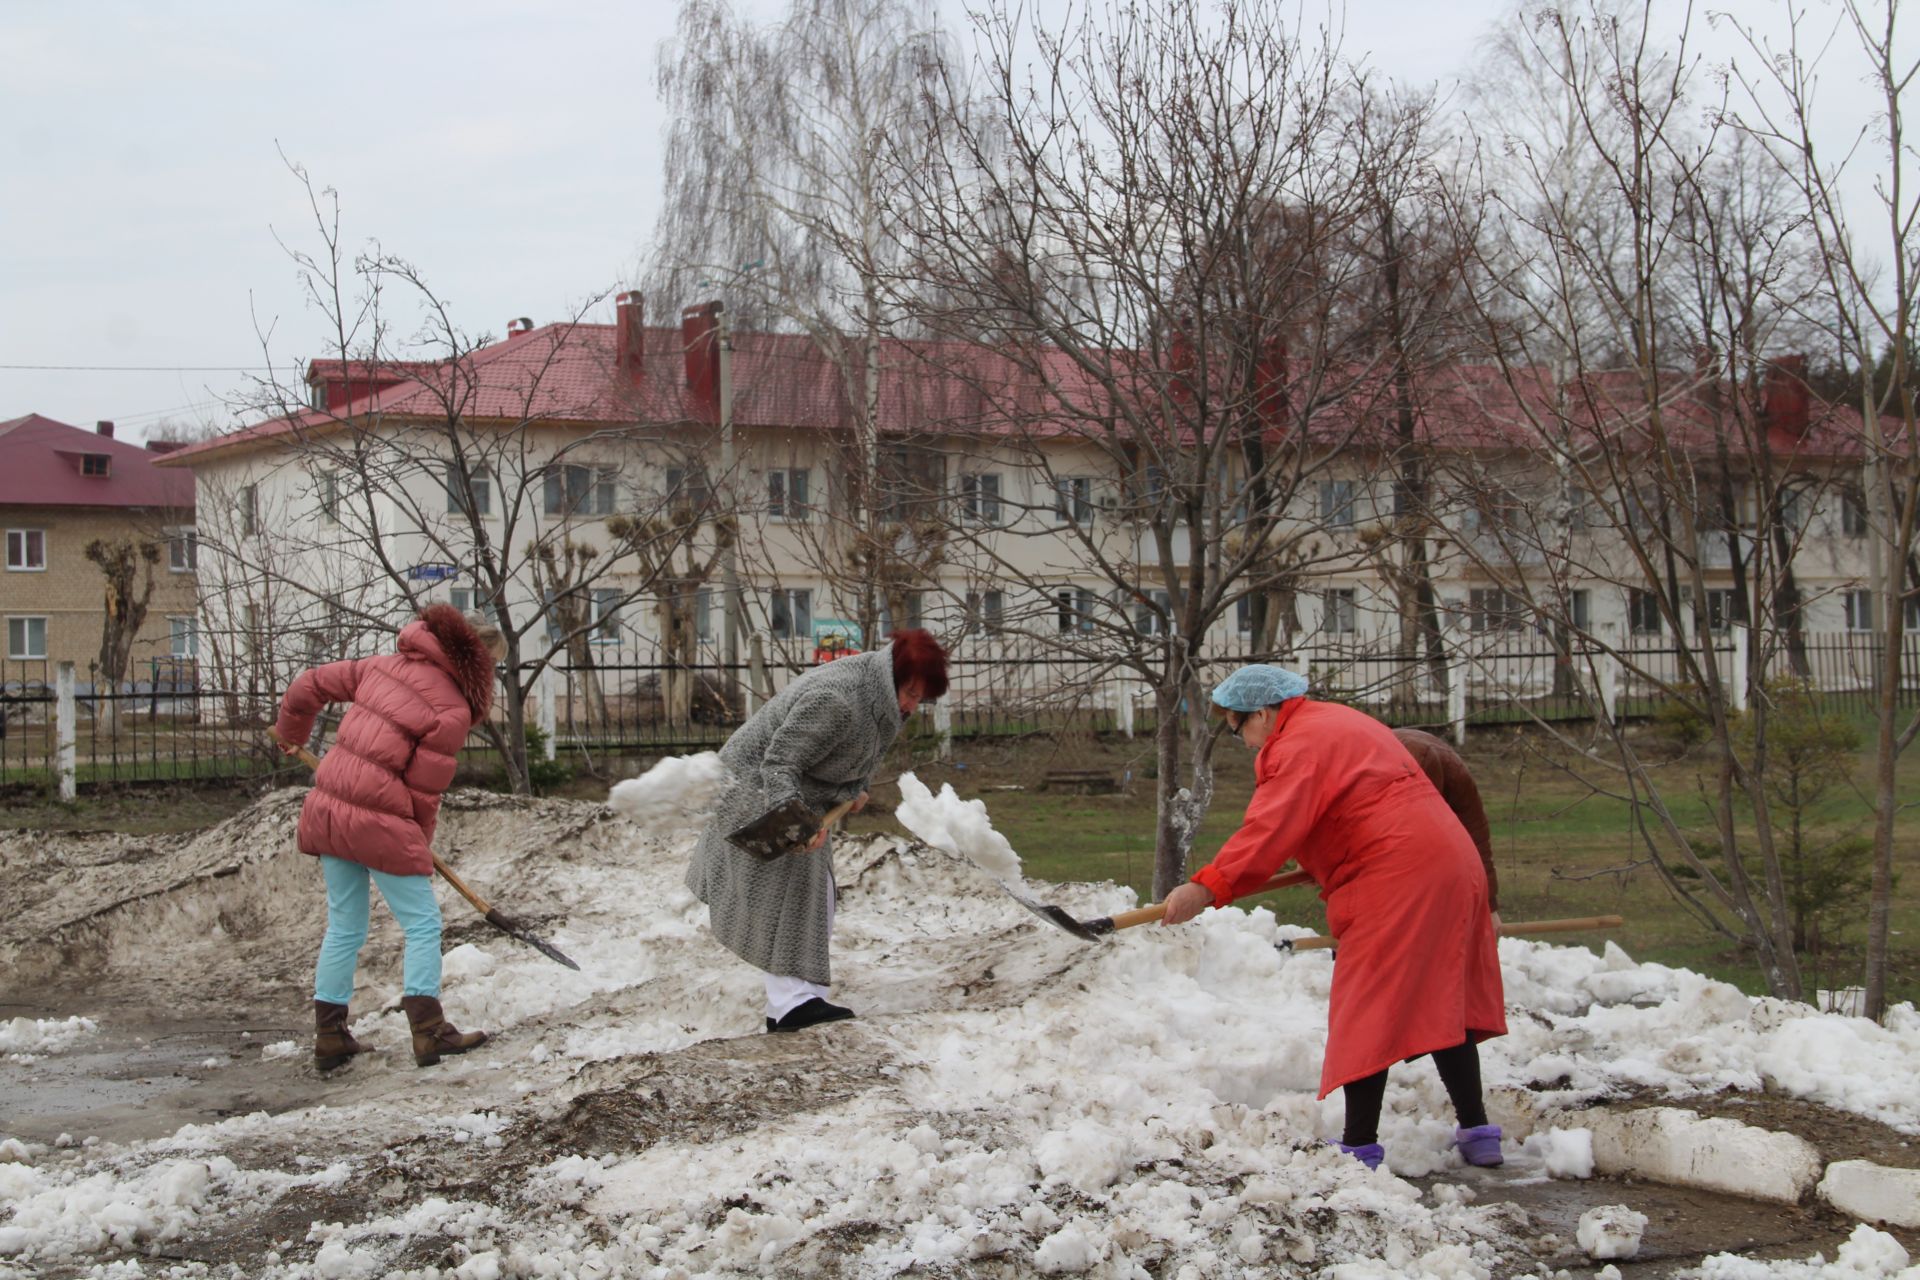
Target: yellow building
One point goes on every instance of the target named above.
(62, 489)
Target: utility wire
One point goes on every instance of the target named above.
(141, 368)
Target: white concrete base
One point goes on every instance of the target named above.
(1668, 1144)
(1873, 1192)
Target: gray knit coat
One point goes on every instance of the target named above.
(820, 739)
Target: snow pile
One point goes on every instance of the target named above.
(1611, 1231)
(43, 1035)
(674, 794)
(960, 827)
(1009, 1100)
(1604, 1024)
(1867, 1255)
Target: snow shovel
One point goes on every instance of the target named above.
(1519, 928)
(1094, 930)
(787, 829)
(504, 923)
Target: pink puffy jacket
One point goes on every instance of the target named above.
(376, 795)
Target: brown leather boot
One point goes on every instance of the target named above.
(333, 1044)
(433, 1035)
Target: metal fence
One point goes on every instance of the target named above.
(173, 724)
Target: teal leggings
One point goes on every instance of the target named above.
(410, 898)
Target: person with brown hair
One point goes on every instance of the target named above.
(819, 741)
(375, 801)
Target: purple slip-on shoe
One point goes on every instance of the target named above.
(1480, 1145)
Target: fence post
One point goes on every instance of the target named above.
(64, 731)
(1737, 680)
(549, 711)
(1457, 701)
(943, 729)
(1607, 668)
(757, 674)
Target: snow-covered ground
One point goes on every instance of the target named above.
(1010, 1101)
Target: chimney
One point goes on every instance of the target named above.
(1787, 399)
(518, 326)
(700, 334)
(630, 335)
(104, 427)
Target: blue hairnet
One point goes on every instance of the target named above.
(1257, 687)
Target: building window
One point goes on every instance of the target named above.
(1853, 511)
(26, 550)
(606, 614)
(469, 600)
(1153, 616)
(96, 464)
(1073, 609)
(26, 638)
(574, 490)
(1072, 499)
(1243, 615)
(1859, 609)
(1339, 612)
(1580, 610)
(477, 481)
(183, 550)
(985, 609)
(790, 613)
(703, 615)
(329, 487)
(1643, 612)
(1336, 504)
(787, 493)
(688, 490)
(1911, 612)
(1720, 610)
(1492, 609)
(183, 637)
(247, 503)
(980, 498)
(1580, 510)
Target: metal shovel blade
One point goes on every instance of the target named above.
(514, 929)
(784, 830)
(1056, 916)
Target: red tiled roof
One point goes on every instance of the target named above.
(40, 466)
(566, 373)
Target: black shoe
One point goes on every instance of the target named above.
(811, 1013)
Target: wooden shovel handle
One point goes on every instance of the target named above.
(1147, 915)
(1517, 928)
(312, 761)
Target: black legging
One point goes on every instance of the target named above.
(1459, 1069)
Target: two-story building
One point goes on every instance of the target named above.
(62, 490)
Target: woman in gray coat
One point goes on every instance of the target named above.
(819, 741)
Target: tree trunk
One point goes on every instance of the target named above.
(1169, 850)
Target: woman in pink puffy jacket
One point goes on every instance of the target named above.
(375, 798)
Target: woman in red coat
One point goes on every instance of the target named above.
(1417, 970)
(374, 803)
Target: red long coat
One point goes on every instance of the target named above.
(1418, 969)
(376, 795)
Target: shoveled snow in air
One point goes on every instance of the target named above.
(1009, 1099)
(956, 826)
(673, 793)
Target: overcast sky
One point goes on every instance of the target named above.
(510, 150)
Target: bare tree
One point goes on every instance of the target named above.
(1141, 256)
(128, 593)
(440, 456)
(780, 198)
(1871, 266)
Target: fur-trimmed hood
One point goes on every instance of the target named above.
(445, 638)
